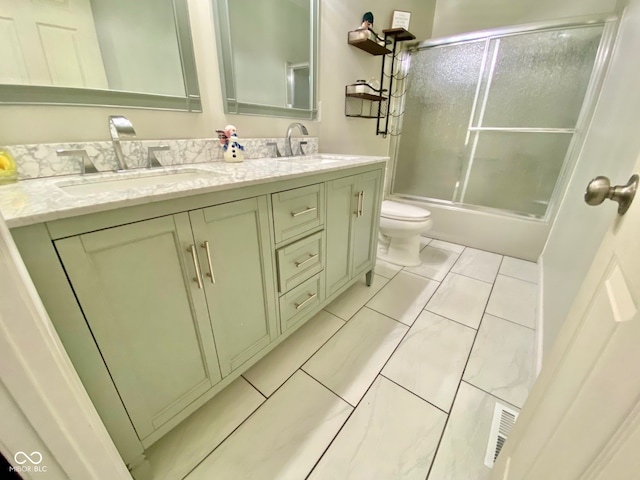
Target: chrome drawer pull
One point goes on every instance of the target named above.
(192, 249)
(311, 297)
(307, 210)
(205, 245)
(311, 257)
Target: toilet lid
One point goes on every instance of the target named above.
(403, 211)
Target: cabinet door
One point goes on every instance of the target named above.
(365, 230)
(238, 277)
(341, 203)
(135, 285)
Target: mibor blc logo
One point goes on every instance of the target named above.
(28, 462)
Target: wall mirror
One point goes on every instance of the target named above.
(267, 51)
(98, 52)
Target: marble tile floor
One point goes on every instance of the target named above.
(394, 381)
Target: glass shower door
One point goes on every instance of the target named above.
(441, 91)
(489, 122)
(534, 89)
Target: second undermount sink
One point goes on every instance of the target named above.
(132, 180)
(316, 159)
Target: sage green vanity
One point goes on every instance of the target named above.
(161, 305)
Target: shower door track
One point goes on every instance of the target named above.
(580, 21)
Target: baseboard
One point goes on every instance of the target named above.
(539, 339)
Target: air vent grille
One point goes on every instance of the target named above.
(504, 418)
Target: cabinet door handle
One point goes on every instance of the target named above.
(194, 257)
(311, 257)
(311, 297)
(306, 210)
(361, 209)
(205, 245)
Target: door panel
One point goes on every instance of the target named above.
(135, 286)
(341, 204)
(581, 418)
(55, 43)
(366, 225)
(241, 301)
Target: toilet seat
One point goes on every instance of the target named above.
(402, 211)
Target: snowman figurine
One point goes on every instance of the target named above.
(232, 151)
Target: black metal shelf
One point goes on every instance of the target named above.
(367, 105)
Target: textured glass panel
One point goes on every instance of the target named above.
(516, 171)
(440, 93)
(540, 79)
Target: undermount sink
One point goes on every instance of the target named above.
(132, 180)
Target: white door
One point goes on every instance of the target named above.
(582, 419)
(50, 42)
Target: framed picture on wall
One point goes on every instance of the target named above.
(400, 19)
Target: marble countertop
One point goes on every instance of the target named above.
(45, 199)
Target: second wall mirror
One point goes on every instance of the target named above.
(267, 52)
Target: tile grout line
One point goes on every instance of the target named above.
(447, 318)
(455, 397)
(412, 393)
(365, 303)
(510, 404)
(254, 387)
(510, 321)
(518, 278)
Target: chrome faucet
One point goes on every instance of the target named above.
(288, 151)
(119, 125)
(86, 166)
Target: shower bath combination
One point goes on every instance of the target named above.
(492, 123)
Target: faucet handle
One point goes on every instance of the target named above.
(301, 151)
(152, 159)
(275, 145)
(86, 166)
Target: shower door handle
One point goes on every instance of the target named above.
(599, 189)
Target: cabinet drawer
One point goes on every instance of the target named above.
(300, 301)
(297, 211)
(300, 261)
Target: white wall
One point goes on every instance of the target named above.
(459, 16)
(340, 64)
(611, 148)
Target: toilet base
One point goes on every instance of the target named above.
(403, 251)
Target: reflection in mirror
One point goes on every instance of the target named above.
(298, 85)
(65, 47)
(267, 51)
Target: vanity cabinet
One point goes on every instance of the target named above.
(162, 305)
(175, 303)
(353, 212)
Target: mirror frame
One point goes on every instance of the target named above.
(48, 95)
(227, 76)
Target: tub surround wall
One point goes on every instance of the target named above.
(41, 160)
(515, 237)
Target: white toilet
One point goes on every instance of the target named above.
(400, 228)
